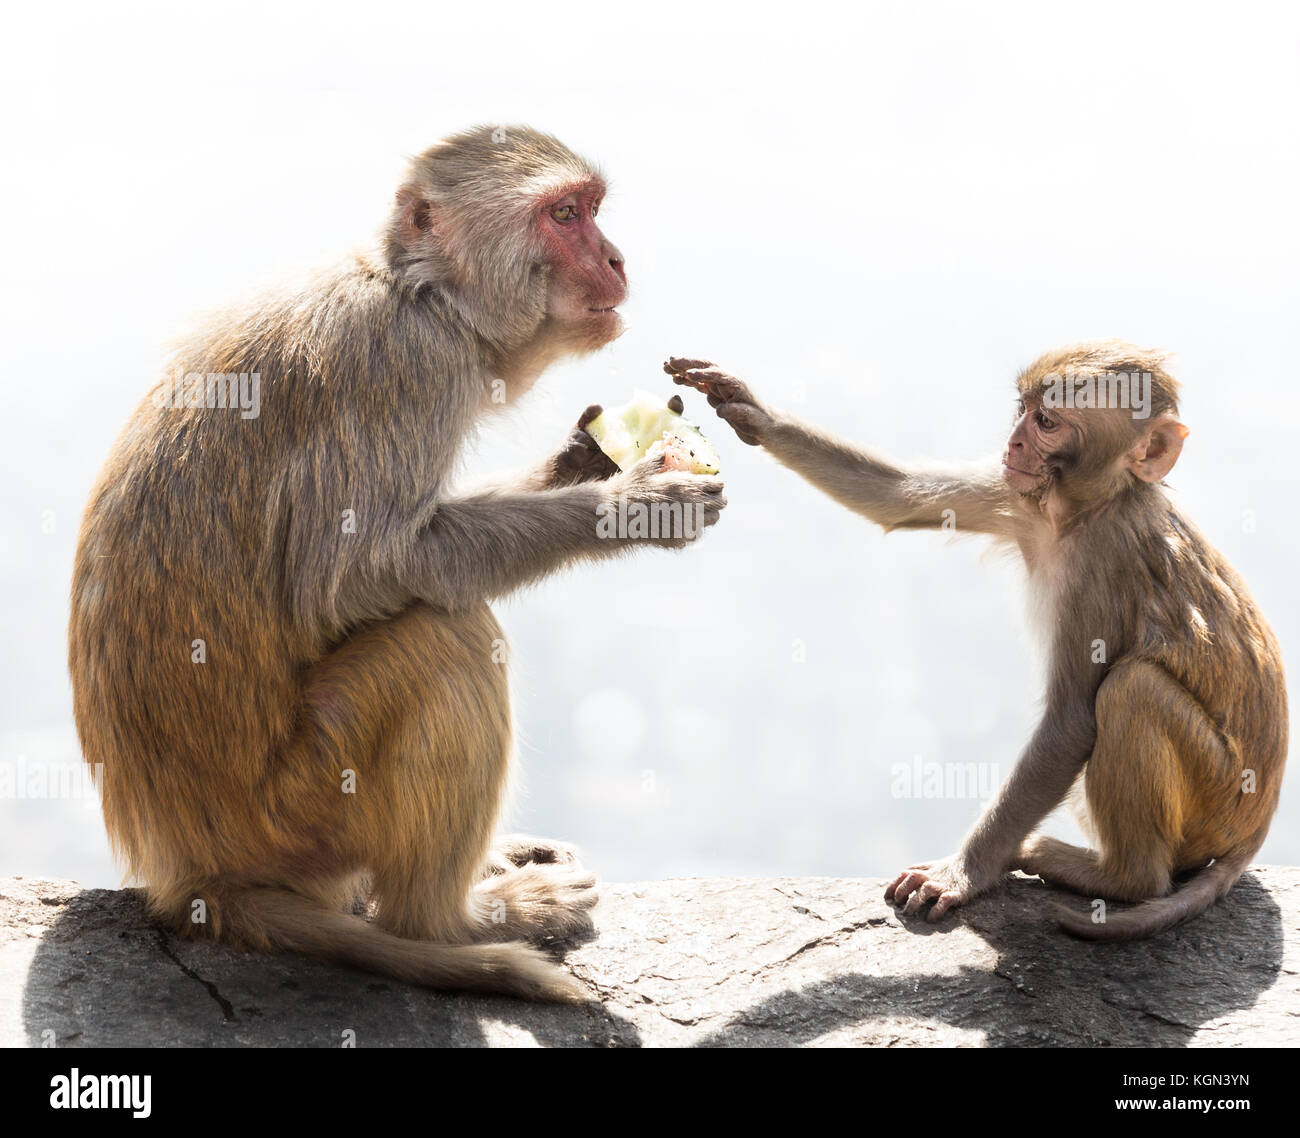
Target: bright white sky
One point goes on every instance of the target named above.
(875, 213)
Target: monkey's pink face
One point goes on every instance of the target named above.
(587, 278)
(1035, 439)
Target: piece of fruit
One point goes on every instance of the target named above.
(646, 425)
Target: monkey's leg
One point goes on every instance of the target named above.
(1073, 867)
(512, 851)
(435, 703)
(536, 889)
(418, 707)
(537, 902)
(395, 770)
(1154, 743)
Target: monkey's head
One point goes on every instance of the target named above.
(502, 221)
(1092, 420)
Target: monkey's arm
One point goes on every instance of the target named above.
(1039, 783)
(893, 497)
(488, 544)
(1042, 777)
(889, 495)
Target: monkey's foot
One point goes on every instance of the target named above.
(940, 882)
(516, 850)
(538, 902)
(1030, 857)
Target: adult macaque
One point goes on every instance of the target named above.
(1165, 689)
(280, 643)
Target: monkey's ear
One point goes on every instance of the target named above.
(1154, 456)
(415, 220)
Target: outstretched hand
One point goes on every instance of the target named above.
(732, 399)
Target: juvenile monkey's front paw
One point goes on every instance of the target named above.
(940, 882)
(729, 396)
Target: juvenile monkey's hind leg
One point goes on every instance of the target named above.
(1154, 747)
(1073, 868)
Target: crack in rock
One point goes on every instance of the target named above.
(1150, 1015)
(1018, 983)
(227, 1008)
(819, 942)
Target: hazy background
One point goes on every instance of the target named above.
(875, 216)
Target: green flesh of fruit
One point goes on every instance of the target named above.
(645, 426)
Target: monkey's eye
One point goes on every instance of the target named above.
(595, 208)
(565, 211)
(1044, 422)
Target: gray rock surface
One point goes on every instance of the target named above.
(704, 962)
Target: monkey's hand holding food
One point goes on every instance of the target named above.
(730, 397)
(580, 459)
(665, 506)
(646, 426)
(943, 882)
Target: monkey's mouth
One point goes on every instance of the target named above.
(609, 309)
(1009, 472)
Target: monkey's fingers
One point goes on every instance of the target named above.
(709, 485)
(902, 887)
(945, 901)
(582, 460)
(905, 882)
(524, 849)
(678, 364)
(581, 452)
(653, 464)
(714, 383)
(592, 412)
(925, 893)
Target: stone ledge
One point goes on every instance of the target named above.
(698, 962)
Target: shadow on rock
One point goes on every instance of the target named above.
(1047, 988)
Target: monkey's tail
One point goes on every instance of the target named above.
(1162, 913)
(278, 919)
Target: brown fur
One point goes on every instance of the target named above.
(374, 651)
(1191, 692)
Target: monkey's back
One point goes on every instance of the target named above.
(178, 667)
(214, 548)
(1193, 615)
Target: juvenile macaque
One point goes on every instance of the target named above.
(280, 643)
(1165, 690)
